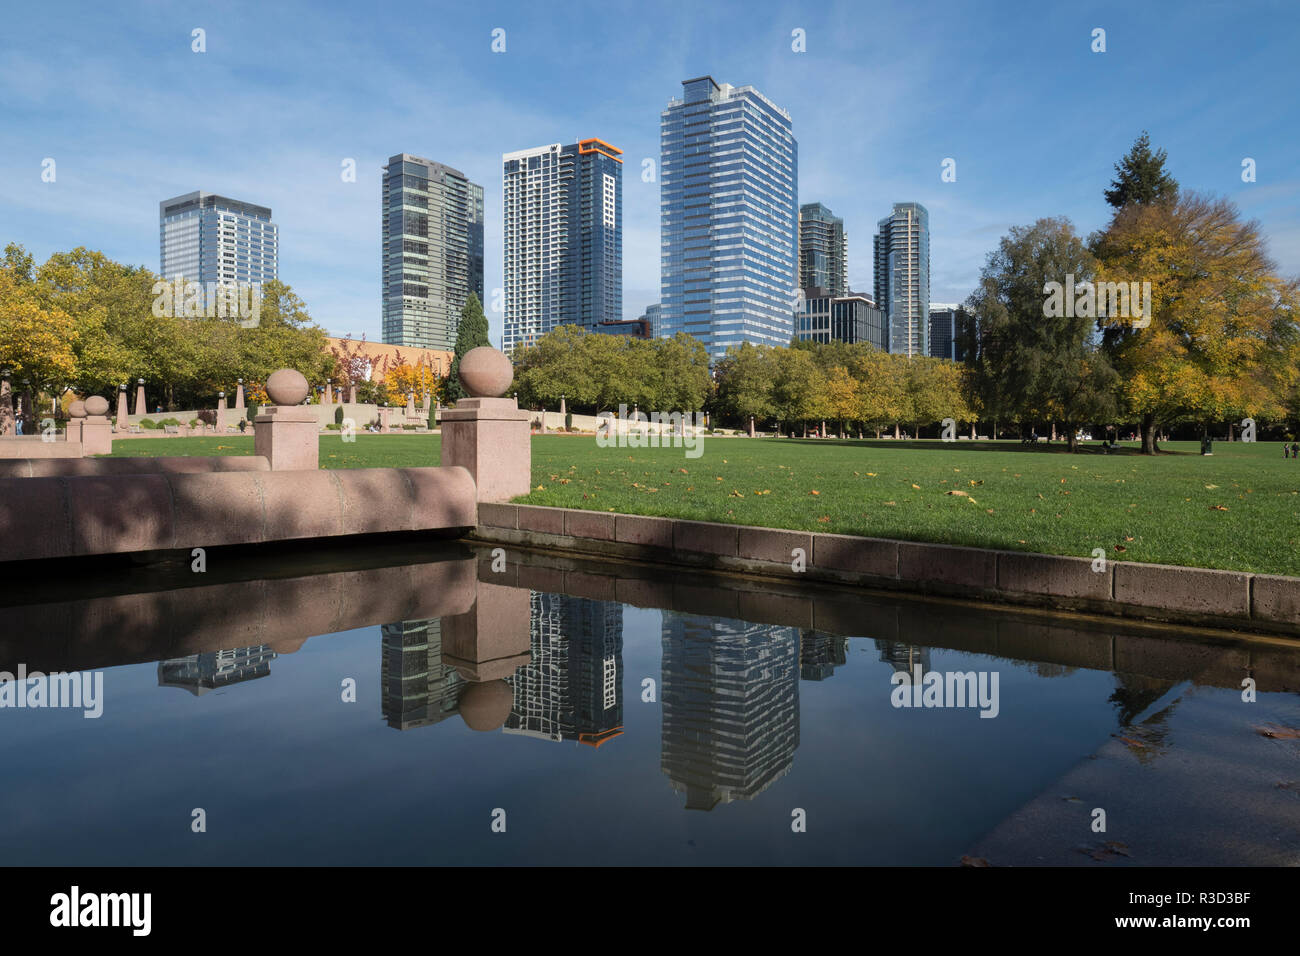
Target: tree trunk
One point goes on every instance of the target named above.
(1072, 436)
(1149, 446)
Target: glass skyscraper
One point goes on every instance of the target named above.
(823, 251)
(563, 238)
(902, 253)
(208, 238)
(432, 251)
(729, 205)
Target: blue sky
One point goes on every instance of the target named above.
(883, 94)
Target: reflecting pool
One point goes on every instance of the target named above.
(433, 704)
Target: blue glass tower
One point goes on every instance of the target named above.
(729, 215)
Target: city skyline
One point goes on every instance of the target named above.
(102, 122)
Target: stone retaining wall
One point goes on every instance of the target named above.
(1231, 599)
(76, 516)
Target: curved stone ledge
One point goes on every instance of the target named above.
(81, 515)
(178, 465)
(1195, 596)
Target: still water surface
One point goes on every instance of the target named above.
(629, 715)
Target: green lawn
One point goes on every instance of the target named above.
(1238, 509)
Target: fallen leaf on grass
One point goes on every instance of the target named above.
(814, 492)
(917, 487)
(824, 519)
(955, 491)
(1217, 508)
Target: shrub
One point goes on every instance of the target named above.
(568, 421)
(147, 423)
(409, 428)
(195, 423)
(333, 427)
(208, 416)
(338, 415)
(169, 421)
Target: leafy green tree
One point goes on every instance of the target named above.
(1140, 177)
(1029, 359)
(746, 377)
(471, 333)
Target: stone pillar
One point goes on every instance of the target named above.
(239, 394)
(141, 407)
(487, 434)
(329, 393)
(410, 404)
(122, 423)
(77, 417)
(286, 433)
(352, 394)
(384, 414)
(751, 426)
(486, 645)
(563, 411)
(6, 404)
(424, 402)
(96, 432)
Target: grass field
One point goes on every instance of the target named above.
(1238, 509)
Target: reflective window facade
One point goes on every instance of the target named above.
(728, 217)
(945, 327)
(823, 250)
(850, 318)
(208, 238)
(563, 238)
(902, 253)
(432, 255)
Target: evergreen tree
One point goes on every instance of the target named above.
(1141, 177)
(470, 334)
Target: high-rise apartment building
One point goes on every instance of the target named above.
(563, 238)
(729, 207)
(902, 253)
(432, 251)
(823, 250)
(206, 238)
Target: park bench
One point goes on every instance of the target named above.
(171, 429)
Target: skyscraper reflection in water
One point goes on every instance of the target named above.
(200, 673)
(730, 707)
(572, 688)
(416, 688)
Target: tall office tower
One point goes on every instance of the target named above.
(208, 238)
(945, 328)
(848, 318)
(730, 707)
(823, 250)
(418, 689)
(729, 217)
(432, 251)
(563, 238)
(902, 251)
(572, 686)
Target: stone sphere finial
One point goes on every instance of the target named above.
(77, 409)
(486, 372)
(96, 405)
(287, 386)
(486, 706)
